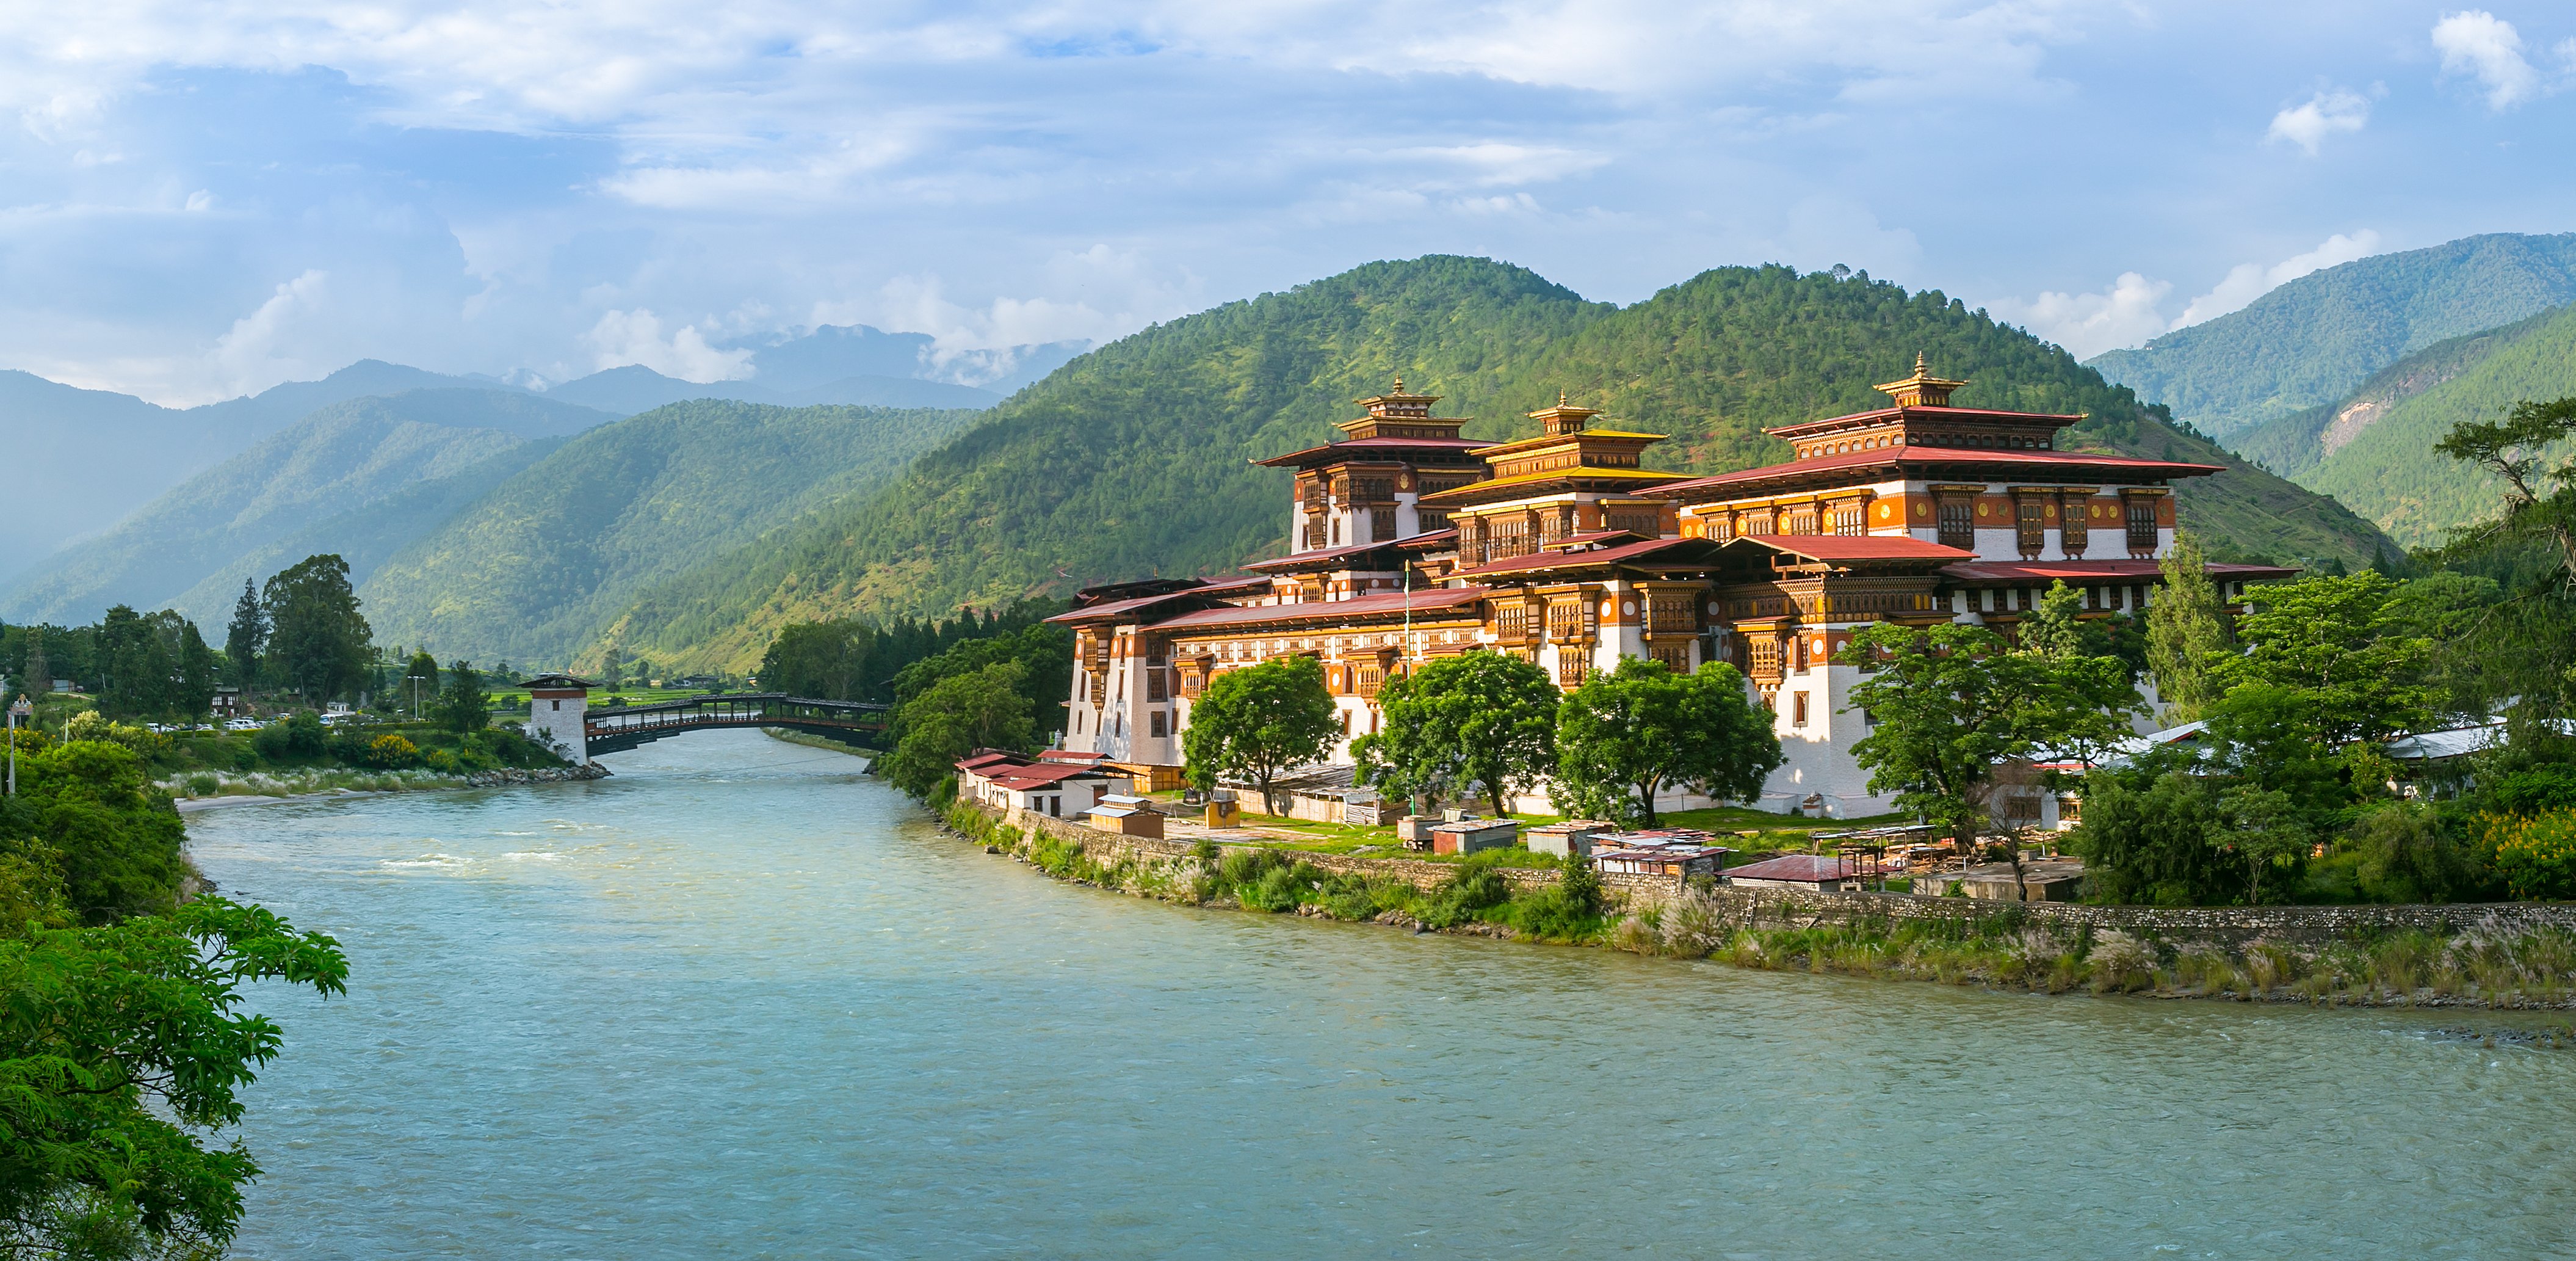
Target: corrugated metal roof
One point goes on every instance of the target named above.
(1324, 611)
(1811, 867)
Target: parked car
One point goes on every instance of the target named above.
(244, 724)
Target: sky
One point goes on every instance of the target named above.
(200, 199)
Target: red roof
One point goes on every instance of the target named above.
(2082, 571)
(990, 761)
(1936, 413)
(1626, 552)
(1327, 554)
(1045, 773)
(1387, 603)
(1359, 448)
(1208, 588)
(1935, 459)
(1845, 547)
(1816, 868)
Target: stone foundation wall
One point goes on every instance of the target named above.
(543, 775)
(1789, 908)
(1786, 908)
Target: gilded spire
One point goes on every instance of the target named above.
(1922, 389)
(1564, 418)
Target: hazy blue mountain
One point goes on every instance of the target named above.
(632, 389)
(340, 458)
(81, 460)
(365, 536)
(543, 565)
(2314, 340)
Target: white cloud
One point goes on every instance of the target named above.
(635, 337)
(2087, 324)
(2248, 281)
(257, 351)
(2476, 42)
(2326, 113)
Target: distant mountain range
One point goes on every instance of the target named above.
(2313, 341)
(1131, 460)
(2373, 449)
(89, 458)
(489, 522)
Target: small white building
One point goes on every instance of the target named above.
(558, 707)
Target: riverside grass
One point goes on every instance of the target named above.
(1476, 900)
(2480, 966)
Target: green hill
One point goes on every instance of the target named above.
(2294, 445)
(1132, 459)
(2388, 472)
(339, 458)
(2310, 342)
(539, 568)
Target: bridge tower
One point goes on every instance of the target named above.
(557, 704)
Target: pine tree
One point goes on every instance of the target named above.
(2187, 632)
(246, 638)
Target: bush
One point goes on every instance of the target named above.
(2407, 856)
(2536, 856)
(2538, 790)
(1476, 887)
(391, 752)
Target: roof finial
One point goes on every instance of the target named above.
(1399, 383)
(1920, 368)
(1560, 398)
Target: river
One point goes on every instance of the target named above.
(739, 1001)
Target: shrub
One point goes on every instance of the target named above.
(2537, 856)
(2120, 962)
(391, 751)
(442, 761)
(1476, 887)
(2539, 790)
(2407, 856)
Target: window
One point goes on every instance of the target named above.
(1431, 521)
(1156, 689)
(2074, 530)
(1959, 523)
(1055, 807)
(1676, 658)
(1346, 722)
(1381, 524)
(2142, 526)
(1570, 668)
(1798, 709)
(2032, 517)
(1646, 523)
(1802, 520)
(1158, 730)
(1851, 518)
(1511, 621)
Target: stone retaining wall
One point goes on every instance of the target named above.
(1788, 908)
(542, 775)
(1784, 908)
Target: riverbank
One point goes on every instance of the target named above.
(206, 790)
(819, 742)
(2519, 956)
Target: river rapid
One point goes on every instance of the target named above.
(740, 1001)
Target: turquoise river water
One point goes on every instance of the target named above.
(739, 1001)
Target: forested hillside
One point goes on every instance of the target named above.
(2294, 445)
(2388, 471)
(338, 459)
(2314, 340)
(539, 568)
(1132, 459)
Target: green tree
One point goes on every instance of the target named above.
(1255, 722)
(2265, 833)
(192, 685)
(1476, 719)
(2188, 633)
(2057, 627)
(319, 641)
(95, 815)
(825, 660)
(463, 706)
(2261, 736)
(1948, 704)
(123, 1049)
(2340, 649)
(1625, 736)
(2151, 838)
(954, 717)
(246, 638)
(2528, 452)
